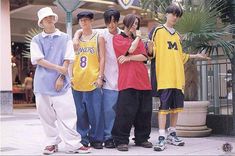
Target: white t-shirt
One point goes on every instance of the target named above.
(111, 66)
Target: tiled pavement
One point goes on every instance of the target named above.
(22, 134)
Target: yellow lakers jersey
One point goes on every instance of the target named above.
(170, 59)
(86, 65)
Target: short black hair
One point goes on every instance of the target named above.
(87, 14)
(174, 9)
(108, 14)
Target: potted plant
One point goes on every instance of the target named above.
(200, 33)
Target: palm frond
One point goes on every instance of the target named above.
(200, 29)
(28, 38)
(155, 7)
(198, 25)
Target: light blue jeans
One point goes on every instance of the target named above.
(90, 121)
(109, 106)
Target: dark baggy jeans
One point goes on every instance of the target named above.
(134, 107)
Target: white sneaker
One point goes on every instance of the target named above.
(50, 149)
(174, 140)
(161, 144)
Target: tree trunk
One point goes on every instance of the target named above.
(191, 81)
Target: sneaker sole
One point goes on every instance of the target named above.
(180, 144)
(84, 152)
(158, 149)
(48, 153)
(125, 150)
(75, 152)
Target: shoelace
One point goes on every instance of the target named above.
(161, 142)
(173, 134)
(176, 138)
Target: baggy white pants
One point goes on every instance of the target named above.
(61, 109)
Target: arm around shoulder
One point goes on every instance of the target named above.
(76, 36)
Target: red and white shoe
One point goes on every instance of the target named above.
(50, 149)
(81, 150)
(84, 150)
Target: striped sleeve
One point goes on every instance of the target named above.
(185, 57)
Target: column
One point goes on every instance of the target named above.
(6, 98)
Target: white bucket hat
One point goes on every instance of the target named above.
(44, 12)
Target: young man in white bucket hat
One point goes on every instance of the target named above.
(52, 51)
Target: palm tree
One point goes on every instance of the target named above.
(201, 33)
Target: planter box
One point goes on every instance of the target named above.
(192, 121)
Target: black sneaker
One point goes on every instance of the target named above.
(145, 144)
(109, 143)
(122, 147)
(97, 145)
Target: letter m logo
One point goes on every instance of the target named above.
(172, 45)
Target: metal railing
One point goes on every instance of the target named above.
(215, 85)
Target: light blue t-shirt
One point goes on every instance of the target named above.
(53, 48)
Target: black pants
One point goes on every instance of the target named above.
(134, 107)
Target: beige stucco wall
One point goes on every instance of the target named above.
(20, 27)
(5, 47)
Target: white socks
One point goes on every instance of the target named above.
(171, 129)
(162, 132)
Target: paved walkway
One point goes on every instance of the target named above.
(22, 134)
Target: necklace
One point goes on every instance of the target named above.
(87, 37)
